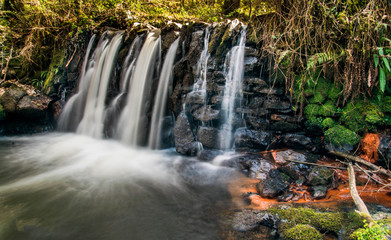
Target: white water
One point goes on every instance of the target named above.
(202, 65)
(72, 113)
(234, 67)
(162, 94)
(133, 117)
(92, 122)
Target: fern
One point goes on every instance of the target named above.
(321, 58)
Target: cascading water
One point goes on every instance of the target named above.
(133, 118)
(234, 67)
(202, 65)
(159, 106)
(114, 109)
(73, 111)
(92, 121)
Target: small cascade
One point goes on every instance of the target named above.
(133, 119)
(92, 122)
(234, 71)
(114, 109)
(202, 65)
(159, 106)
(73, 111)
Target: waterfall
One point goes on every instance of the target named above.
(161, 97)
(114, 109)
(72, 113)
(234, 67)
(133, 118)
(202, 65)
(92, 122)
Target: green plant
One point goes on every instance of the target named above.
(381, 62)
(377, 231)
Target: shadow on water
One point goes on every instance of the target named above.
(65, 186)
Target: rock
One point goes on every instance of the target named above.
(246, 138)
(273, 186)
(285, 118)
(284, 127)
(297, 141)
(283, 157)
(206, 114)
(385, 151)
(190, 149)
(209, 137)
(274, 102)
(33, 107)
(183, 135)
(249, 219)
(256, 123)
(208, 155)
(318, 192)
(254, 112)
(260, 168)
(320, 176)
(11, 96)
(256, 102)
(292, 170)
(269, 91)
(286, 197)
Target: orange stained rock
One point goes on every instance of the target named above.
(368, 146)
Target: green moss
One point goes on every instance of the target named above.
(334, 92)
(314, 123)
(373, 114)
(55, 66)
(352, 117)
(302, 232)
(339, 135)
(325, 222)
(321, 91)
(328, 109)
(377, 231)
(2, 113)
(312, 110)
(328, 123)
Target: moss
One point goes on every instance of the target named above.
(312, 110)
(328, 109)
(328, 123)
(339, 135)
(353, 118)
(321, 91)
(2, 113)
(302, 232)
(334, 92)
(325, 222)
(56, 64)
(373, 114)
(314, 123)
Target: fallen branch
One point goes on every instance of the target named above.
(315, 164)
(374, 167)
(362, 208)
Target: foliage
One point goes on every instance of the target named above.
(2, 113)
(375, 232)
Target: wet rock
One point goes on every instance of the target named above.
(297, 141)
(208, 155)
(318, 192)
(285, 118)
(346, 148)
(260, 168)
(190, 149)
(183, 136)
(274, 102)
(250, 52)
(260, 124)
(257, 102)
(284, 157)
(320, 176)
(286, 197)
(284, 127)
(247, 220)
(209, 137)
(11, 96)
(206, 114)
(292, 170)
(246, 138)
(251, 66)
(274, 185)
(33, 107)
(254, 112)
(269, 91)
(385, 151)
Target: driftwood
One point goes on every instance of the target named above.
(374, 167)
(362, 208)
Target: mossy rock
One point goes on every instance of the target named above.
(314, 123)
(312, 110)
(325, 222)
(334, 92)
(352, 117)
(328, 123)
(373, 114)
(328, 109)
(55, 67)
(321, 91)
(339, 135)
(302, 232)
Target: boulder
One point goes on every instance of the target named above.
(33, 107)
(318, 192)
(206, 114)
(251, 139)
(11, 96)
(209, 137)
(183, 136)
(256, 123)
(284, 157)
(260, 169)
(298, 141)
(248, 219)
(320, 176)
(273, 186)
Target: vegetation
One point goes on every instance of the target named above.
(302, 232)
(378, 231)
